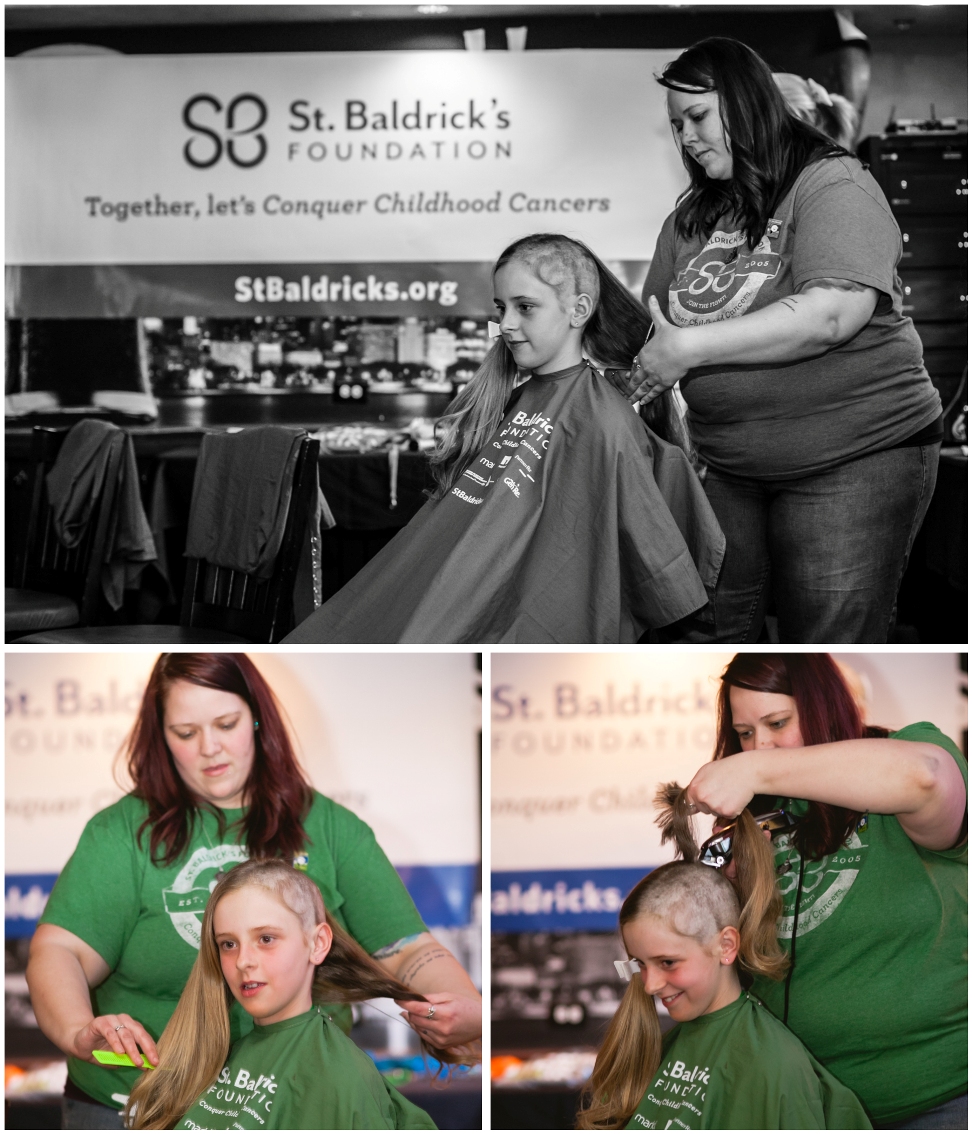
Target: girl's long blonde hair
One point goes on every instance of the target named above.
(702, 901)
(194, 1045)
(613, 335)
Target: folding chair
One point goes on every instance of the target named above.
(57, 586)
(221, 605)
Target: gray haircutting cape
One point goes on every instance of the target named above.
(575, 523)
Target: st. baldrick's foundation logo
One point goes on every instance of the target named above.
(186, 899)
(232, 130)
(722, 281)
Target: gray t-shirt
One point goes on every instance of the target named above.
(774, 422)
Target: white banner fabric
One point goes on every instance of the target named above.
(580, 743)
(359, 156)
(393, 737)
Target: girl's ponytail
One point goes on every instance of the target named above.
(754, 882)
(348, 975)
(614, 334)
(674, 818)
(626, 1062)
(762, 903)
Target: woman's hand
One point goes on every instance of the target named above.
(724, 787)
(425, 966)
(119, 1033)
(457, 1021)
(663, 360)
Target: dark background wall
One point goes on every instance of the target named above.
(919, 53)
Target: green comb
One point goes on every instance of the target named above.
(116, 1059)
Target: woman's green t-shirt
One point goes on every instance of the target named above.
(739, 1069)
(301, 1074)
(145, 919)
(878, 990)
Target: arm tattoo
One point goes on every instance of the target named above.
(427, 956)
(395, 947)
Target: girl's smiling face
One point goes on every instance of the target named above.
(764, 720)
(543, 333)
(690, 979)
(210, 735)
(267, 959)
(698, 127)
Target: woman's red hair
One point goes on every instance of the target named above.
(277, 795)
(827, 712)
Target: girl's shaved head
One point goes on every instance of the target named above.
(694, 901)
(563, 264)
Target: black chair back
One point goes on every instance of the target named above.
(259, 610)
(45, 564)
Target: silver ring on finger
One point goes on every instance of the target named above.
(431, 1012)
(118, 1027)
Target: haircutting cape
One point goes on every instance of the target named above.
(575, 523)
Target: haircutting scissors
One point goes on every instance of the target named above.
(717, 851)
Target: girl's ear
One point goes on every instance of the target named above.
(582, 310)
(728, 945)
(322, 939)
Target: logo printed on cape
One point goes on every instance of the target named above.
(186, 899)
(722, 281)
(679, 1089)
(826, 883)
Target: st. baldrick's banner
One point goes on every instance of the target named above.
(242, 184)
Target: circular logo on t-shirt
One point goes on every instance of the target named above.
(186, 899)
(826, 881)
(721, 282)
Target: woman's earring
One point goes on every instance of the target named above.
(256, 725)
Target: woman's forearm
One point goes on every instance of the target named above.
(426, 966)
(826, 313)
(890, 777)
(59, 994)
(456, 1008)
(919, 783)
(794, 328)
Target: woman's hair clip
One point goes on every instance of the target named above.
(627, 969)
(493, 329)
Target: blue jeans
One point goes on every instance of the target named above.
(831, 549)
(951, 1115)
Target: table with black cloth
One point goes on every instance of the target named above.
(357, 489)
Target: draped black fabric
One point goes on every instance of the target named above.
(75, 485)
(574, 524)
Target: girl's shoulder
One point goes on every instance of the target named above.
(772, 1036)
(344, 1059)
(612, 408)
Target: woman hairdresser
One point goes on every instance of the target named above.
(873, 877)
(776, 304)
(216, 782)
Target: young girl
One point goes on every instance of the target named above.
(728, 1063)
(558, 515)
(268, 942)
